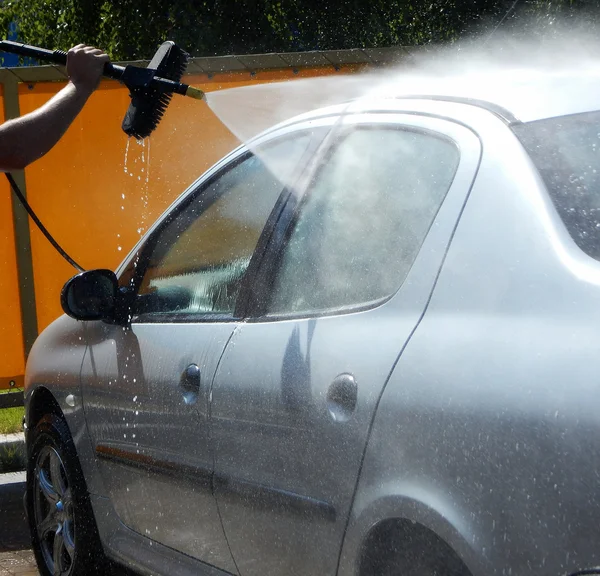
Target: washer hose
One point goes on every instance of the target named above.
(21, 197)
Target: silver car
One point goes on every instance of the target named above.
(367, 343)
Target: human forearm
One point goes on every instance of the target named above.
(24, 140)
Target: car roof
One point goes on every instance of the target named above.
(524, 95)
(516, 95)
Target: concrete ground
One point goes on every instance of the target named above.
(16, 557)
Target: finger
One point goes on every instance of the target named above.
(78, 47)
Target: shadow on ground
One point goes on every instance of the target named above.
(14, 534)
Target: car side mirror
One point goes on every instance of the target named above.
(91, 295)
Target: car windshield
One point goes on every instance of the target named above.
(566, 151)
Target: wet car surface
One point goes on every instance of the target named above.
(366, 343)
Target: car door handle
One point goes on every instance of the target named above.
(189, 383)
(342, 397)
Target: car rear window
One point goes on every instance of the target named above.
(566, 151)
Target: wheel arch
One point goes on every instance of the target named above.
(398, 510)
(397, 540)
(40, 401)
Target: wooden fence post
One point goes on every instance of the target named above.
(10, 86)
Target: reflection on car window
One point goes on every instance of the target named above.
(566, 151)
(364, 220)
(199, 261)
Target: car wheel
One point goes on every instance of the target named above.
(63, 530)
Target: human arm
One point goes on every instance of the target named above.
(25, 139)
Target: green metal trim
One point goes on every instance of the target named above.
(29, 325)
(252, 62)
(11, 400)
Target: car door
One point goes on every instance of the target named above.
(145, 385)
(340, 291)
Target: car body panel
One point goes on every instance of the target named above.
(285, 465)
(502, 369)
(152, 444)
(52, 368)
(526, 95)
(141, 554)
(485, 432)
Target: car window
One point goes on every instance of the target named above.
(198, 262)
(363, 221)
(566, 150)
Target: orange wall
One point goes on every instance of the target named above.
(12, 362)
(97, 191)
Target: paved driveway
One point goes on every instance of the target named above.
(16, 557)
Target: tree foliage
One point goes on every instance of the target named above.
(129, 29)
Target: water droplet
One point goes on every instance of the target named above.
(126, 153)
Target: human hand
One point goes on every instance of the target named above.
(85, 65)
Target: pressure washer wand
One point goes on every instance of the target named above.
(150, 89)
(131, 76)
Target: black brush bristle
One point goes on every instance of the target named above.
(148, 105)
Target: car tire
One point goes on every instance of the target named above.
(61, 520)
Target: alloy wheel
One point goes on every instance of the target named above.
(53, 512)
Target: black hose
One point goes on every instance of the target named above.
(39, 224)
